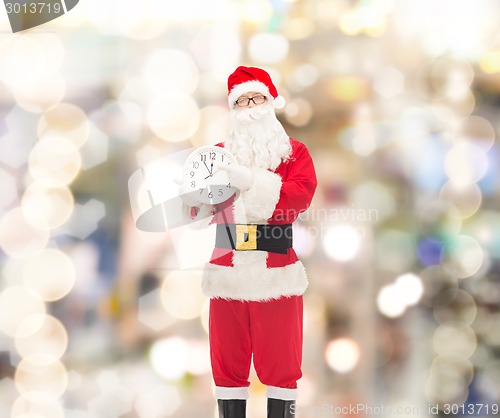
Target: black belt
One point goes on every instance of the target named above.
(241, 237)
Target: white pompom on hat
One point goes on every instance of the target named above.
(247, 79)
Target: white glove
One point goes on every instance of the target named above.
(240, 176)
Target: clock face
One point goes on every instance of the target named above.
(203, 175)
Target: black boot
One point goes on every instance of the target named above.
(232, 408)
(278, 408)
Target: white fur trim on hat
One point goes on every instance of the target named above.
(231, 393)
(250, 279)
(256, 86)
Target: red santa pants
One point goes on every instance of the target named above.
(271, 331)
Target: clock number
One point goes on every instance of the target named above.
(191, 174)
(193, 184)
(212, 155)
(210, 195)
(221, 193)
(228, 185)
(222, 157)
(201, 191)
(203, 158)
(196, 165)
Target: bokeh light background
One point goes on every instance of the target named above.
(398, 103)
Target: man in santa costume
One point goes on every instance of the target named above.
(254, 278)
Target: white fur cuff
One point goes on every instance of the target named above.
(252, 280)
(282, 393)
(231, 393)
(261, 199)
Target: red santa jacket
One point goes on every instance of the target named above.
(274, 198)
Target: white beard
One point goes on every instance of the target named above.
(257, 138)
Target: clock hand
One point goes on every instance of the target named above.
(210, 171)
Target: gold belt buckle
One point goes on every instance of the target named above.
(246, 237)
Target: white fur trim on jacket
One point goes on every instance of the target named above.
(284, 394)
(261, 199)
(257, 87)
(251, 280)
(231, 393)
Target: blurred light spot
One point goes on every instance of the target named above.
(451, 77)
(121, 119)
(170, 71)
(308, 389)
(374, 201)
(255, 11)
(303, 76)
(455, 305)
(389, 301)
(268, 48)
(348, 88)
(196, 10)
(388, 82)
(9, 189)
(395, 250)
(463, 256)
(298, 112)
(478, 131)
(85, 218)
(16, 304)
(54, 161)
(342, 355)
(485, 228)
(66, 119)
(446, 386)
(138, 20)
(465, 198)
(32, 405)
(95, 150)
(454, 341)
(342, 242)
(50, 273)
(298, 28)
(492, 327)
(41, 334)
(42, 374)
(194, 247)
(214, 123)
(114, 399)
(456, 110)
(42, 91)
(169, 357)
(158, 401)
(18, 237)
(173, 118)
(367, 19)
(439, 219)
(305, 241)
(410, 288)
(198, 362)
(151, 312)
(22, 54)
(47, 207)
(430, 251)
(490, 62)
(181, 294)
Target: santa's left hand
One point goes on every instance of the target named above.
(240, 176)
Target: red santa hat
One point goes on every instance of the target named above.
(246, 79)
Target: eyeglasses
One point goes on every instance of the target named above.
(245, 101)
